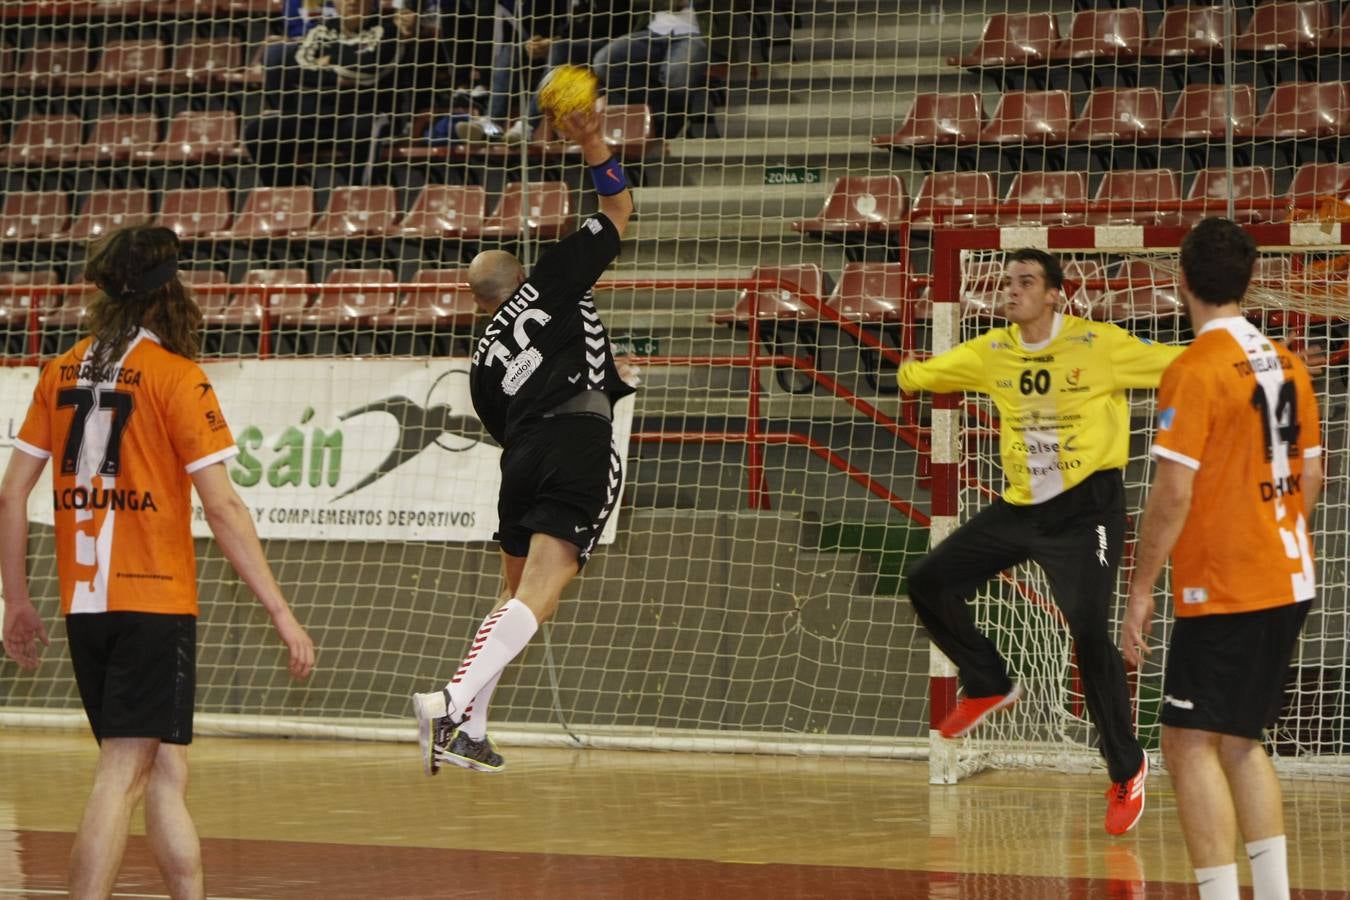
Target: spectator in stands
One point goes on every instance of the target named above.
(522, 31)
(664, 65)
(462, 33)
(577, 38)
(326, 92)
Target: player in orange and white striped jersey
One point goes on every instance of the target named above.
(132, 425)
(1239, 469)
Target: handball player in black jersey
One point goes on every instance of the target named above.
(544, 382)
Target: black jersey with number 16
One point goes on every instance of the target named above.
(546, 343)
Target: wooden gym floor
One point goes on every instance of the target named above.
(302, 819)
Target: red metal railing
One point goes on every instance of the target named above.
(756, 436)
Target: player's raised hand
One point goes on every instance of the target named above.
(23, 630)
(297, 642)
(1135, 627)
(577, 126)
(1313, 356)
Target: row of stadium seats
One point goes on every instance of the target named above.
(887, 293)
(861, 205)
(439, 212)
(1187, 32)
(1125, 116)
(85, 10)
(127, 66)
(213, 137)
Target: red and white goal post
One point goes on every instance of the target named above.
(1127, 274)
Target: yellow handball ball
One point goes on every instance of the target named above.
(567, 90)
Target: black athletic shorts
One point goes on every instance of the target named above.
(561, 478)
(137, 673)
(1226, 673)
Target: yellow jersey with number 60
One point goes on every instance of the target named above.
(1240, 410)
(123, 442)
(1063, 413)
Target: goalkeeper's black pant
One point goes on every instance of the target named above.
(1076, 538)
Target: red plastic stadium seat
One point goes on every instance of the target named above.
(1284, 27)
(781, 302)
(357, 212)
(1200, 110)
(627, 129)
(45, 68)
(871, 292)
(218, 307)
(106, 211)
(1050, 189)
(43, 141)
(1134, 194)
(334, 308)
(951, 191)
(1187, 32)
(1102, 36)
(427, 309)
(1249, 183)
(278, 303)
(546, 212)
(938, 120)
(859, 205)
(1305, 109)
(1029, 117)
(202, 62)
(34, 216)
(15, 307)
(446, 211)
(195, 213)
(1012, 39)
(1152, 294)
(270, 213)
(201, 137)
(1313, 181)
(1120, 116)
(122, 66)
(120, 138)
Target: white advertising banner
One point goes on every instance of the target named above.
(345, 450)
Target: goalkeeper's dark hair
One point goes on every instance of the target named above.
(1054, 272)
(1217, 259)
(136, 271)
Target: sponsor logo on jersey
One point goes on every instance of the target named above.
(1004, 383)
(1073, 376)
(1101, 545)
(1178, 703)
(1284, 487)
(103, 498)
(1166, 418)
(519, 370)
(1194, 595)
(593, 225)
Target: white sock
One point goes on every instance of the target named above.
(501, 636)
(476, 713)
(1218, 882)
(1270, 868)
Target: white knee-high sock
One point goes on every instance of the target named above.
(476, 713)
(1270, 868)
(501, 636)
(1218, 882)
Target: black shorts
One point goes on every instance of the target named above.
(561, 478)
(1226, 673)
(137, 673)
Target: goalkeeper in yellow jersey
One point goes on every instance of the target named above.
(1059, 384)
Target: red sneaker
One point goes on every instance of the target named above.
(971, 711)
(1125, 801)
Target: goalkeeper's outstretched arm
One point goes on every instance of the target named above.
(616, 200)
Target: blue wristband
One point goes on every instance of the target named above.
(608, 178)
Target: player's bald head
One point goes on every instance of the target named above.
(494, 275)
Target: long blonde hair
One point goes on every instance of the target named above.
(132, 294)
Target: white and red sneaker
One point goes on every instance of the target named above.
(1125, 801)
